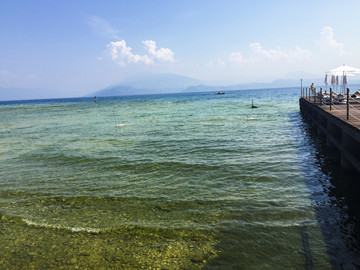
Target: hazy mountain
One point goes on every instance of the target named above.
(274, 84)
(299, 74)
(163, 81)
(148, 84)
(171, 83)
(117, 90)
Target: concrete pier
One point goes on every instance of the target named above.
(342, 133)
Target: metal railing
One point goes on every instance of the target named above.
(336, 102)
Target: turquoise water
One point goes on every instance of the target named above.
(191, 181)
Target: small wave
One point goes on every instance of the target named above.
(61, 227)
(119, 124)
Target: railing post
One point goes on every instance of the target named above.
(320, 96)
(306, 93)
(314, 95)
(330, 97)
(347, 103)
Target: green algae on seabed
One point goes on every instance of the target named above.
(130, 247)
(190, 185)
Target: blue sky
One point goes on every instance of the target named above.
(72, 48)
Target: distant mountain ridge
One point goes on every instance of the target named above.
(280, 83)
(171, 83)
(162, 81)
(168, 83)
(148, 84)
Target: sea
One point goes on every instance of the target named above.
(172, 181)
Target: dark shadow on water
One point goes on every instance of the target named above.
(336, 201)
(309, 265)
(335, 195)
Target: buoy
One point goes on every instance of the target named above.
(252, 104)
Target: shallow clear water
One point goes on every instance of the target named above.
(185, 181)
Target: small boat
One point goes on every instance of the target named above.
(220, 93)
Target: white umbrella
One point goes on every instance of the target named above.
(343, 70)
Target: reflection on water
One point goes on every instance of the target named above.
(335, 195)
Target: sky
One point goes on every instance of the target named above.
(72, 48)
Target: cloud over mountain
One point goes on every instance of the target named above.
(162, 54)
(122, 54)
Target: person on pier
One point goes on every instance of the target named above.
(312, 87)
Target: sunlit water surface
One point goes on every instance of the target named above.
(188, 181)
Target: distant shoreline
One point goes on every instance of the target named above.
(90, 97)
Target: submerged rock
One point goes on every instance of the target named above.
(198, 258)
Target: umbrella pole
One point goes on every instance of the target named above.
(344, 81)
(347, 104)
(330, 98)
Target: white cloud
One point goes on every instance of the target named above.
(236, 58)
(102, 27)
(259, 54)
(219, 64)
(123, 55)
(327, 43)
(163, 54)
